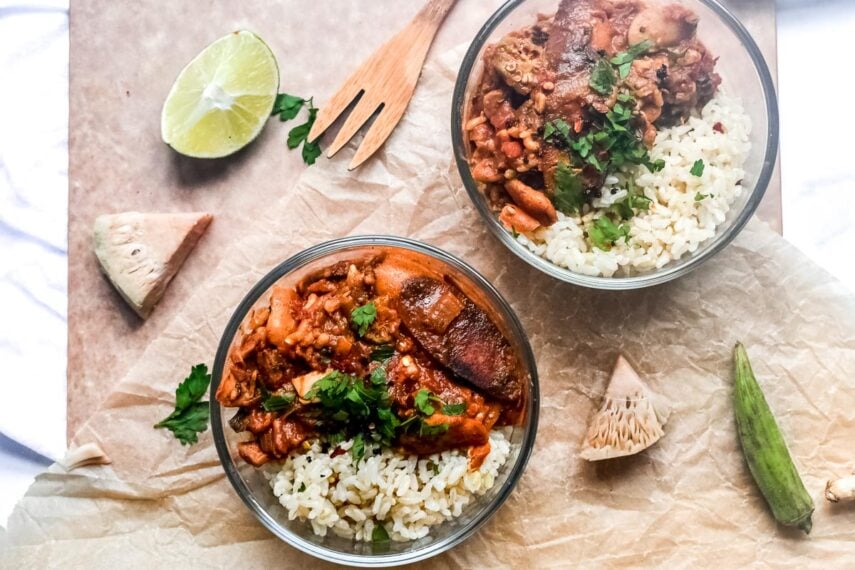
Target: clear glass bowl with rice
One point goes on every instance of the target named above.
(619, 143)
(326, 494)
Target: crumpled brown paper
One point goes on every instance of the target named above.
(687, 501)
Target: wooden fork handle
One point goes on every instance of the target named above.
(435, 11)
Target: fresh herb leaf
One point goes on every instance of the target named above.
(302, 488)
(699, 196)
(624, 59)
(187, 424)
(278, 402)
(382, 352)
(697, 168)
(190, 416)
(602, 77)
(557, 132)
(363, 316)
(349, 404)
(378, 376)
(623, 210)
(569, 194)
(299, 135)
(655, 166)
(357, 451)
(287, 106)
(454, 409)
(193, 387)
(311, 151)
(604, 233)
(639, 202)
(428, 430)
(336, 438)
(387, 424)
(379, 534)
(423, 401)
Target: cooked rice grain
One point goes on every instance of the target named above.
(407, 494)
(676, 223)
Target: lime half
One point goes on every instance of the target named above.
(221, 100)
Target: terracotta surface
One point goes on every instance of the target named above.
(124, 57)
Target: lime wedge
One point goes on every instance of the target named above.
(222, 99)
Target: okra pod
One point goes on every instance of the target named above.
(765, 450)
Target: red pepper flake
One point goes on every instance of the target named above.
(718, 127)
(337, 451)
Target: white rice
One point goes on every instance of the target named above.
(406, 494)
(676, 222)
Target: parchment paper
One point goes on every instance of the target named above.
(687, 501)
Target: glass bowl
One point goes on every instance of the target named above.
(250, 483)
(744, 74)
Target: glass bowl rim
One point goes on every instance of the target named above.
(299, 260)
(669, 271)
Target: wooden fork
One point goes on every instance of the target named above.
(386, 79)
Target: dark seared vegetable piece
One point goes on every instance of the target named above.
(765, 450)
(460, 336)
(570, 55)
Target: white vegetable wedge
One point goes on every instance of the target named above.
(141, 253)
(85, 455)
(627, 422)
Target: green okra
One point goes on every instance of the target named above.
(765, 450)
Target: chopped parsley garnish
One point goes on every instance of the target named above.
(379, 534)
(362, 317)
(428, 430)
(378, 376)
(190, 416)
(699, 196)
(623, 60)
(287, 107)
(278, 402)
(354, 408)
(603, 77)
(569, 194)
(357, 450)
(639, 202)
(423, 401)
(454, 409)
(302, 488)
(610, 143)
(559, 131)
(697, 168)
(604, 233)
(382, 352)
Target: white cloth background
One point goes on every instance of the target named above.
(33, 226)
(34, 194)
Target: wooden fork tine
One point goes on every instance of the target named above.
(366, 107)
(380, 130)
(335, 106)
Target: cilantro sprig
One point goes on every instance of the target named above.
(603, 78)
(382, 353)
(604, 233)
(355, 408)
(288, 107)
(623, 60)
(569, 194)
(423, 399)
(191, 415)
(362, 317)
(278, 402)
